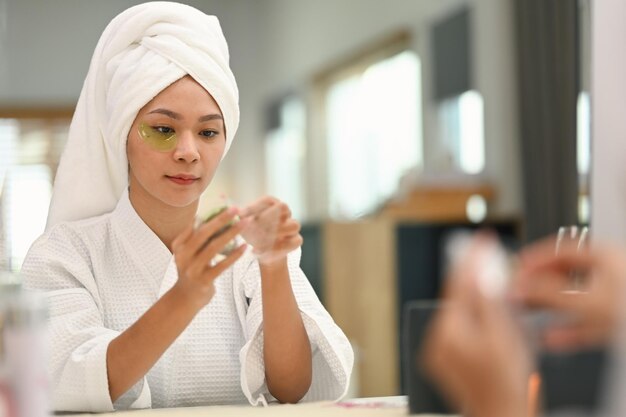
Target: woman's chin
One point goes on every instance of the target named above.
(182, 203)
(181, 199)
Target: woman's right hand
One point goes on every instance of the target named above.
(193, 256)
(594, 314)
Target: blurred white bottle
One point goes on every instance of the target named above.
(24, 390)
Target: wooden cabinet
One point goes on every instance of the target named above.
(360, 293)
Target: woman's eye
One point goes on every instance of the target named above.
(164, 130)
(209, 133)
(161, 138)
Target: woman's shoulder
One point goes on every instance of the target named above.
(75, 234)
(62, 257)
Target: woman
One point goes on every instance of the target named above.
(142, 313)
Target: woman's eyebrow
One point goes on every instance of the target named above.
(208, 117)
(166, 112)
(177, 116)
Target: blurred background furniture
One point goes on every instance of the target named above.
(367, 270)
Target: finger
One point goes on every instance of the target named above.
(210, 228)
(213, 246)
(549, 294)
(258, 206)
(285, 212)
(539, 249)
(545, 281)
(209, 273)
(227, 262)
(565, 338)
(270, 216)
(542, 280)
(288, 228)
(288, 245)
(181, 256)
(566, 271)
(265, 228)
(216, 245)
(543, 256)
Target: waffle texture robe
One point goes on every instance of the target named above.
(101, 274)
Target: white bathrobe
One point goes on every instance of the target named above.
(101, 274)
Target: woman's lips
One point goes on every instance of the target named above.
(182, 180)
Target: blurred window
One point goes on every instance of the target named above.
(583, 111)
(461, 122)
(29, 154)
(583, 145)
(373, 131)
(285, 151)
(583, 155)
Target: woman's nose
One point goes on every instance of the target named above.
(186, 148)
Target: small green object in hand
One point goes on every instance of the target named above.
(230, 246)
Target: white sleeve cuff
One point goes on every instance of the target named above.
(135, 398)
(91, 357)
(331, 366)
(332, 360)
(253, 369)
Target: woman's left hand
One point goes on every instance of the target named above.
(474, 350)
(272, 232)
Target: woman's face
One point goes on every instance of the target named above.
(176, 144)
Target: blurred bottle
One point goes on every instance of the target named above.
(24, 388)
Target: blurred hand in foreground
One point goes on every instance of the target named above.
(590, 314)
(474, 350)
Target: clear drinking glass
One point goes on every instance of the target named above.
(578, 236)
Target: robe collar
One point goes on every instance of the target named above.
(145, 244)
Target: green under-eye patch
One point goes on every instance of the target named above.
(158, 140)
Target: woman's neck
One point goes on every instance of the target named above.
(165, 221)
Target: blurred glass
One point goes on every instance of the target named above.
(577, 237)
(568, 235)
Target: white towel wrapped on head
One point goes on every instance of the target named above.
(141, 52)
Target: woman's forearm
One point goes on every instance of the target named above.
(135, 351)
(286, 346)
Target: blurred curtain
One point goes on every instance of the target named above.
(547, 45)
